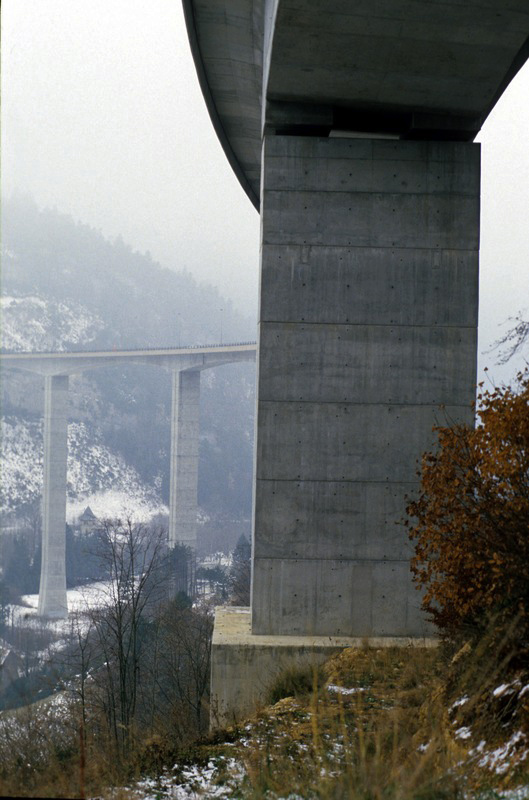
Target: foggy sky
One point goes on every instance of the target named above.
(102, 117)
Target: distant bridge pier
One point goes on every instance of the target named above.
(52, 595)
(183, 497)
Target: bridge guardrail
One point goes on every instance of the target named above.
(121, 350)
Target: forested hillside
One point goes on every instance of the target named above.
(64, 286)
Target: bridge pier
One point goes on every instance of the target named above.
(52, 594)
(368, 323)
(183, 493)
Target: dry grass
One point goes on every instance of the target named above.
(388, 724)
(361, 743)
(392, 732)
(43, 752)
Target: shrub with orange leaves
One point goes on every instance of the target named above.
(470, 522)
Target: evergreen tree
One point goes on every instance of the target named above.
(17, 572)
(240, 575)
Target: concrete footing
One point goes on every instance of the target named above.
(243, 665)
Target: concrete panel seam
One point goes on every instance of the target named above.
(336, 480)
(347, 324)
(353, 193)
(379, 246)
(341, 403)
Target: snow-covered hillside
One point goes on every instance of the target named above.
(36, 323)
(96, 476)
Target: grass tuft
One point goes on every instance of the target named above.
(295, 681)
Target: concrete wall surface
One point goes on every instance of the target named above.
(368, 324)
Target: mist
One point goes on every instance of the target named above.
(103, 118)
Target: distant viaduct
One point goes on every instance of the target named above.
(186, 364)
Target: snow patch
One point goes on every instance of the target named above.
(501, 759)
(192, 782)
(505, 688)
(342, 690)
(119, 503)
(460, 702)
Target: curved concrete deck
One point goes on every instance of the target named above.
(421, 69)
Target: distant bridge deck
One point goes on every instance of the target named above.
(189, 357)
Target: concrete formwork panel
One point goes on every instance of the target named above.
(393, 364)
(368, 317)
(376, 220)
(346, 441)
(315, 519)
(372, 597)
(421, 286)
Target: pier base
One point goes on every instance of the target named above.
(243, 666)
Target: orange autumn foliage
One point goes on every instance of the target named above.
(470, 522)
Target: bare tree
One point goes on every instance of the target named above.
(132, 558)
(515, 338)
(139, 659)
(82, 659)
(184, 668)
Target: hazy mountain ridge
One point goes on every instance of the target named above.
(67, 288)
(140, 302)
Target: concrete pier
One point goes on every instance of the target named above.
(368, 324)
(368, 189)
(185, 423)
(52, 595)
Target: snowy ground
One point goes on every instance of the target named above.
(118, 503)
(80, 599)
(218, 778)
